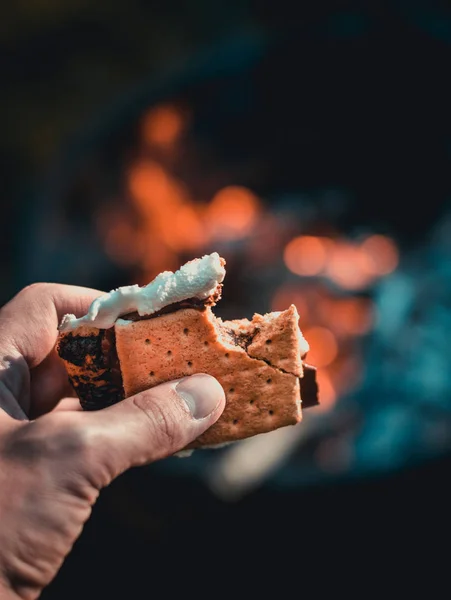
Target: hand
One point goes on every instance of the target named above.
(55, 458)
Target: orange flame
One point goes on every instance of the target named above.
(154, 190)
(124, 244)
(187, 229)
(162, 126)
(169, 219)
(232, 212)
(170, 215)
(170, 222)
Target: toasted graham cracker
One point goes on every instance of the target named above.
(90, 358)
(86, 368)
(260, 397)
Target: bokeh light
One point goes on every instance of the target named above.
(382, 254)
(163, 125)
(306, 254)
(323, 346)
(290, 294)
(328, 392)
(349, 267)
(350, 316)
(232, 212)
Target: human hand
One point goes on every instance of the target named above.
(55, 458)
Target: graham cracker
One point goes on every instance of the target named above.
(275, 338)
(260, 396)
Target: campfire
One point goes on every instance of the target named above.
(161, 221)
(198, 173)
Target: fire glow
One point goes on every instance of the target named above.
(326, 277)
(163, 126)
(351, 265)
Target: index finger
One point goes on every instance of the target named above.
(29, 322)
(28, 333)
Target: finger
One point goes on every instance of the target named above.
(68, 404)
(49, 383)
(14, 379)
(29, 322)
(150, 425)
(9, 405)
(28, 333)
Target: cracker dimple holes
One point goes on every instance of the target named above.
(269, 380)
(231, 390)
(147, 341)
(271, 412)
(268, 342)
(190, 363)
(251, 401)
(152, 373)
(186, 331)
(205, 343)
(235, 421)
(227, 355)
(169, 352)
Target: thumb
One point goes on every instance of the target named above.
(150, 425)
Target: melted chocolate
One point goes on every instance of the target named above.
(309, 387)
(242, 339)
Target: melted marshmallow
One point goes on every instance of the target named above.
(197, 278)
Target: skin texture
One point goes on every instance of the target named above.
(55, 458)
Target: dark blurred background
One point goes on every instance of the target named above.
(310, 145)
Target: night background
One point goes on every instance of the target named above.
(310, 145)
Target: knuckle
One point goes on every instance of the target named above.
(32, 293)
(37, 288)
(34, 302)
